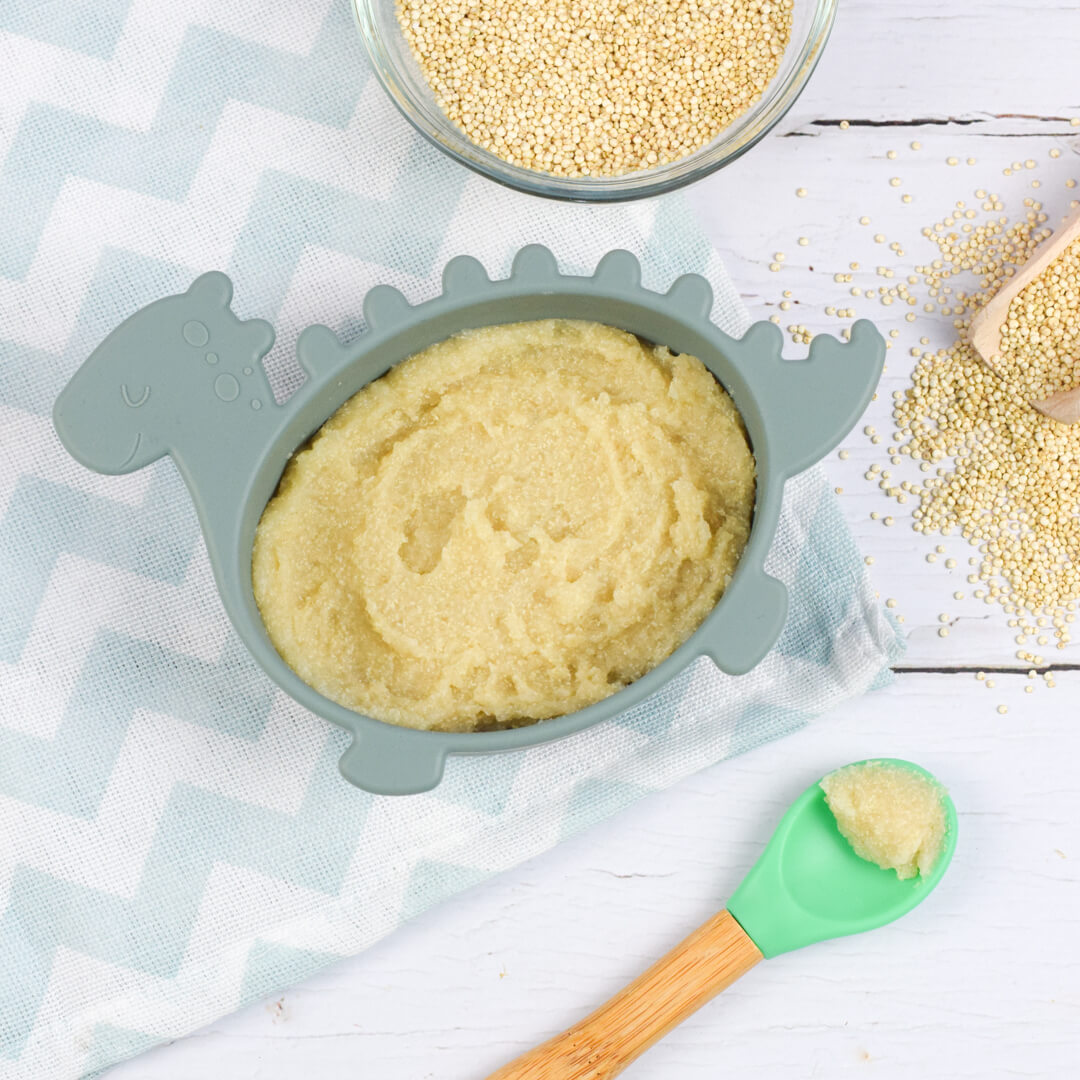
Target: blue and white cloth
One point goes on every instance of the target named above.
(175, 839)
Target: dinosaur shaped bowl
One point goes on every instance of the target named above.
(183, 377)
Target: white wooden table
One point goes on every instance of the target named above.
(984, 979)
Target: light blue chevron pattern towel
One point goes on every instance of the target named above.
(174, 837)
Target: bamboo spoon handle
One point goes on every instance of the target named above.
(604, 1043)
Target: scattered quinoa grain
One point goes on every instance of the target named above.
(1006, 483)
(994, 471)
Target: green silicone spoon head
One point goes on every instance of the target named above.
(809, 885)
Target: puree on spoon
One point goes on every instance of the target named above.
(508, 526)
(891, 816)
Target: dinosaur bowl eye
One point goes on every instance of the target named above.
(136, 402)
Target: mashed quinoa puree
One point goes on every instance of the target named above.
(508, 526)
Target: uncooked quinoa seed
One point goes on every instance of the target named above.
(1040, 338)
(1010, 486)
(992, 470)
(597, 88)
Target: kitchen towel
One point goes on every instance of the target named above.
(175, 839)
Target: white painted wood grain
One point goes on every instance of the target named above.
(982, 981)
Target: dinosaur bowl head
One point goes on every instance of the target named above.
(106, 414)
(120, 409)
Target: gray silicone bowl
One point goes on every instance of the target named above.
(183, 377)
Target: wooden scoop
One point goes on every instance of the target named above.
(808, 886)
(1064, 405)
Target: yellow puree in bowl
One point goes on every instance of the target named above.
(508, 526)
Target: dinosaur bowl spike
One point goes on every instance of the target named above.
(692, 295)
(183, 377)
(385, 307)
(464, 276)
(764, 339)
(619, 268)
(535, 263)
(319, 351)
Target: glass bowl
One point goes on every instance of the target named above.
(400, 75)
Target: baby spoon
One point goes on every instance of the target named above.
(1064, 405)
(807, 886)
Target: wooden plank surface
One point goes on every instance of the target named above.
(984, 979)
